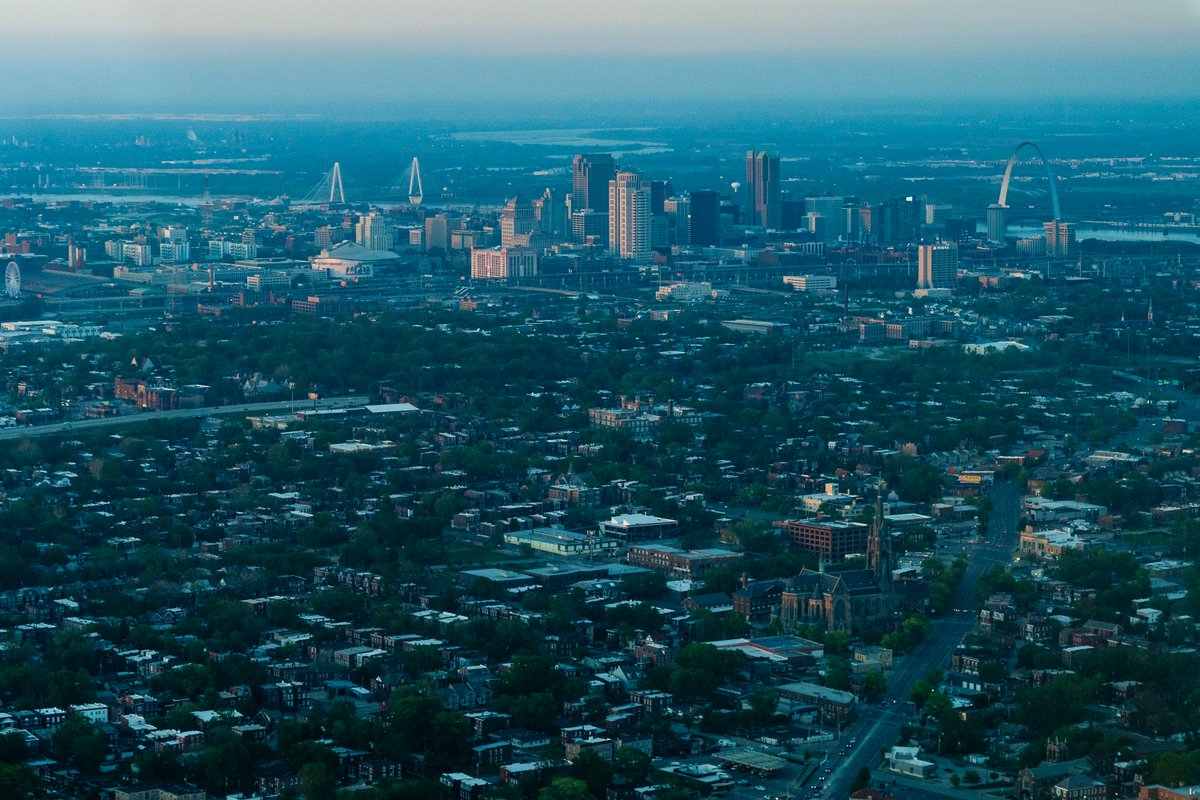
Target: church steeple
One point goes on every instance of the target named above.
(879, 546)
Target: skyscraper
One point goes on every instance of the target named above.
(589, 227)
(762, 188)
(374, 232)
(897, 221)
(704, 227)
(437, 232)
(629, 215)
(937, 266)
(997, 223)
(590, 175)
(678, 210)
(550, 216)
(517, 221)
(1060, 239)
(831, 208)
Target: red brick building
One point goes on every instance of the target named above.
(831, 540)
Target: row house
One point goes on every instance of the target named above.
(286, 696)
(465, 696)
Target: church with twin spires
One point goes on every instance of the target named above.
(845, 600)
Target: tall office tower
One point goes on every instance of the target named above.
(549, 218)
(997, 223)
(437, 232)
(791, 213)
(852, 223)
(937, 266)
(762, 188)
(589, 227)
(373, 232)
(817, 225)
(960, 229)
(727, 225)
(591, 174)
(899, 221)
(937, 213)
(831, 209)
(1060, 239)
(659, 192)
(516, 223)
(704, 225)
(678, 209)
(868, 219)
(660, 225)
(660, 231)
(629, 215)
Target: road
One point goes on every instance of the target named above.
(75, 426)
(878, 726)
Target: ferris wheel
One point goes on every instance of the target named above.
(12, 280)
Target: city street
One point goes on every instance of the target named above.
(58, 428)
(878, 726)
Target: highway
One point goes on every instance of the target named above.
(88, 425)
(878, 726)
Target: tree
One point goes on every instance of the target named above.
(13, 749)
(595, 772)
(971, 777)
(920, 692)
(762, 708)
(18, 782)
(837, 674)
(76, 742)
(317, 781)
(634, 764)
(875, 685)
(566, 789)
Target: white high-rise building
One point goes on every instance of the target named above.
(517, 222)
(503, 263)
(173, 244)
(374, 232)
(629, 216)
(937, 266)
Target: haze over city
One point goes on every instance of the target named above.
(387, 58)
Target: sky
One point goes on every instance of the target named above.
(257, 56)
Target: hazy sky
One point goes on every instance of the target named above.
(113, 55)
